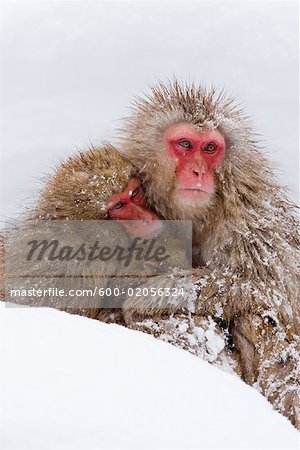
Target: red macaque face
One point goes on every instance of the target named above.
(196, 155)
(131, 204)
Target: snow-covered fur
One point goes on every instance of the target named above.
(201, 336)
(269, 359)
(245, 241)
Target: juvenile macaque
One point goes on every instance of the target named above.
(94, 185)
(199, 160)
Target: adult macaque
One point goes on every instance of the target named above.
(99, 184)
(199, 160)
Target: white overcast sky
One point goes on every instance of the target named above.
(68, 71)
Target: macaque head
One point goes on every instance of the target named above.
(130, 203)
(131, 206)
(189, 143)
(195, 155)
(99, 184)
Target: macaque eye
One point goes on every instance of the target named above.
(210, 148)
(118, 205)
(184, 143)
(135, 192)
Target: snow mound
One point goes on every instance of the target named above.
(74, 383)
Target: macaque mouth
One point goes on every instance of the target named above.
(194, 195)
(190, 189)
(193, 190)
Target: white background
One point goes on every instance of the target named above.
(70, 69)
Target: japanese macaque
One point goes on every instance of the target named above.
(94, 185)
(199, 160)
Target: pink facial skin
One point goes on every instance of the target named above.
(196, 155)
(131, 205)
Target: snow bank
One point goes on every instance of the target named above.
(74, 383)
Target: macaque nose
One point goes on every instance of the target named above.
(197, 166)
(198, 170)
